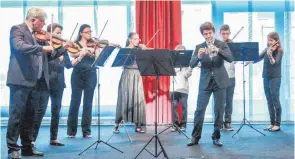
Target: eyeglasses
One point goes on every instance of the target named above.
(87, 32)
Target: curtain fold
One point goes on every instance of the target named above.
(165, 16)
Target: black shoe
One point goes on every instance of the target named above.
(31, 152)
(194, 141)
(227, 126)
(56, 143)
(217, 142)
(14, 155)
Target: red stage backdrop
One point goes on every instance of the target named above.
(151, 16)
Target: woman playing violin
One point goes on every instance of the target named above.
(57, 83)
(83, 79)
(131, 102)
(41, 91)
(271, 74)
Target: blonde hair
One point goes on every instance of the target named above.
(35, 13)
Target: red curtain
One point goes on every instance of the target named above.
(165, 16)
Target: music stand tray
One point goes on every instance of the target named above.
(124, 57)
(180, 59)
(155, 63)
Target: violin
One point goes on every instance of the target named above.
(57, 41)
(143, 46)
(100, 43)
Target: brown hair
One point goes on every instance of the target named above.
(54, 25)
(275, 36)
(224, 27)
(130, 35)
(207, 26)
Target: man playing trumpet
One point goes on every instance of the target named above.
(213, 79)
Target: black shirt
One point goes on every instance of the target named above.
(86, 62)
(271, 70)
(56, 72)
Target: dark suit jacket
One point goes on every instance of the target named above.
(56, 72)
(213, 67)
(24, 53)
(50, 57)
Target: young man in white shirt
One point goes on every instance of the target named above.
(179, 88)
(230, 69)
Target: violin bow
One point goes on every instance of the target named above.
(105, 24)
(153, 37)
(74, 31)
(237, 33)
(51, 31)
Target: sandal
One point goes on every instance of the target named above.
(268, 128)
(87, 136)
(71, 136)
(139, 130)
(275, 128)
(116, 130)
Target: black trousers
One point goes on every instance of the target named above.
(203, 100)
(56, 100)
(21, 115)
(272, 93)
(82, 81)
(182, 99)
(229, 96)
(40, 102)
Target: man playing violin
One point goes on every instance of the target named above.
(41, 91)
(25, 69)
(229, 93)
(213, 79)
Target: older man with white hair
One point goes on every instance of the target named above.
(25, 68)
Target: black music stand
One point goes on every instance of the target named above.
(155, 63)
(124, 57)
(100, 61)
(180, 59)
(246, 51)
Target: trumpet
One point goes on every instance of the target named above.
(211, 50)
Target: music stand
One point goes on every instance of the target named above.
(124, 57)
(155, 63)
(180, 59)
(100, 61)
(246, 51)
